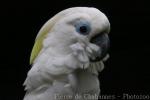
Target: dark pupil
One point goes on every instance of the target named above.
(83, 29)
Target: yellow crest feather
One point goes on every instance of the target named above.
(43, 32)
(40, 37)
(37, 48)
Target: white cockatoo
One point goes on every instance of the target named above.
(68, 53)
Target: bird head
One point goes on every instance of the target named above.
(80, 30)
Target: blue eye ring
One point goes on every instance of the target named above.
(83, 27)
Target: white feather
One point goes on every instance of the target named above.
(63, 67)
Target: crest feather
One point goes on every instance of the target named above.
(40, 37)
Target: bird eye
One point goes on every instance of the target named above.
(83, 27)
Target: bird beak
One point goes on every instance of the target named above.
(101, 40)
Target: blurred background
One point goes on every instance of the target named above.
(126, 71)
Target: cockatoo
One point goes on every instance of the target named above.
(68, 53)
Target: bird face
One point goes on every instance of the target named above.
(86, 26)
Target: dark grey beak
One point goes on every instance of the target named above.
(102, 40)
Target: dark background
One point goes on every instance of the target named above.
(126, 71)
